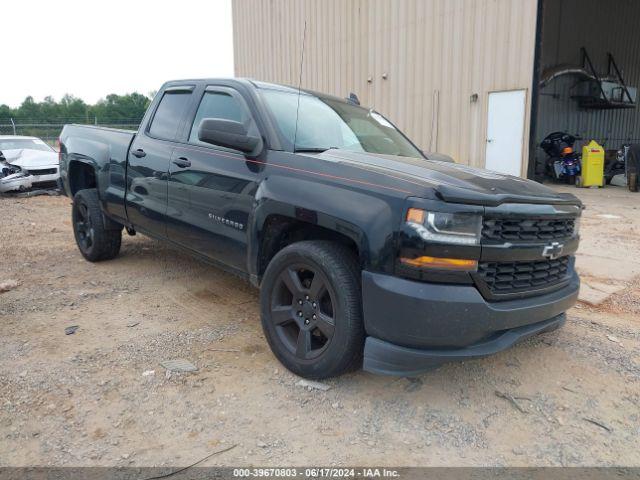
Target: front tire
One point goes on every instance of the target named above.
(311, 309)
(95, 241)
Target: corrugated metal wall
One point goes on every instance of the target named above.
(435, 53)
(601, 27)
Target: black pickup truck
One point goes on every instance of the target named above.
(366, 251)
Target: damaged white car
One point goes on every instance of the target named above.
(26, 162)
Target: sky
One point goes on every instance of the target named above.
(90, 49)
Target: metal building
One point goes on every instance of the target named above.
(600, 28)
(460, 77)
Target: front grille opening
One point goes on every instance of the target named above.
(516, 277)
(514, 230)
(43, 171)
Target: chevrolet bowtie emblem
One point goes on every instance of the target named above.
(553, 250)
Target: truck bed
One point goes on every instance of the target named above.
(118, 139)
(106, 150)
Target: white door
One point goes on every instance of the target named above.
(505, 131)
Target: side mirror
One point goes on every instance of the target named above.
(227, 133)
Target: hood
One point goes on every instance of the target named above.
(452, 182)
(30, 158)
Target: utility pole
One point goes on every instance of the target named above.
(13, 124)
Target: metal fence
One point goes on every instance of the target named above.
(49, 131)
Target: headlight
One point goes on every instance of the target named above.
(457, 228)
(576, 227)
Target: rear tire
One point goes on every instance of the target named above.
(95, 241)
(311, 309)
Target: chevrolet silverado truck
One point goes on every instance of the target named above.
(367, 253)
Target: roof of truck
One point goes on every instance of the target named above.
(257, 84)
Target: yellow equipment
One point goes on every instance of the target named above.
(592, 166)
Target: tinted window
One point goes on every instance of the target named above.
(168, 115)
(216, 105)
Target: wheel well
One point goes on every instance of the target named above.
(280, 231)
(81, 176)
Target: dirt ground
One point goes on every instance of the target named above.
(100, 396)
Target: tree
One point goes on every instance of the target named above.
(126, 110)
(5, 114)
(115, 109)
(129, 108)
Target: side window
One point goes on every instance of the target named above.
(217, 105)
(168, 115)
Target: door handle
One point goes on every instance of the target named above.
(139, 153)
(182, 162)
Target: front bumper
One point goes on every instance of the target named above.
(39, 178)
(26, 179)
(15, 182)
(413, 327)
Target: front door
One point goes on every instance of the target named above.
(148, 164)
(505, 131)
(211, 189)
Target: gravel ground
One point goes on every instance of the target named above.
(100, 396)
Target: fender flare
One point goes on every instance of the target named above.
(99, 159)
(99, 163)
(350, 213)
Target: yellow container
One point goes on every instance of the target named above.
(592, 174)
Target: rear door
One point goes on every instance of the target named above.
(148, 162)
(211, 188)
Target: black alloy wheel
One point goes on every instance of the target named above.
(311, 308)
(84, 227)
(97, 237)
(302, 310)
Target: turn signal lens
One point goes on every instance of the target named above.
(458, 264)
(415, 215)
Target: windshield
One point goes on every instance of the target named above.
(324, 123)
(24, 144)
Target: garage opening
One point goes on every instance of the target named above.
(586, 78)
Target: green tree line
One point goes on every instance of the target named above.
(114, 110)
